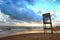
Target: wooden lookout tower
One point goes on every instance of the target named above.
(47, 20)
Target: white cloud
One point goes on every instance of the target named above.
(3, 17)
(57, 19)
(39, 14)
(36, 10)
(52, 12)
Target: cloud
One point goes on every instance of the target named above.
(32, 2)
(3, 17)
(19, 11)
(57, 17)
(53, 14)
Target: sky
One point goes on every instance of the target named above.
(30, 10)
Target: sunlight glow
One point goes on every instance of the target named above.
(54, 0)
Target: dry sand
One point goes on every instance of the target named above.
(33, 36)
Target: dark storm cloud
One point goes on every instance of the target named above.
(17, 9)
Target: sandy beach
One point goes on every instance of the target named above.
(33, 36)
(36, 34)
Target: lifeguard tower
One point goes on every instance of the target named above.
(47, 20)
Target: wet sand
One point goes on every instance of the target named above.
(33, 36)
